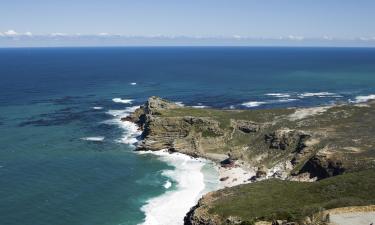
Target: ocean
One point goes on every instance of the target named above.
(67, 159)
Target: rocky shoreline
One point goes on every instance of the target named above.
(254, 145)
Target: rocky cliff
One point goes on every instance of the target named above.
(292, 144)
(288, 143)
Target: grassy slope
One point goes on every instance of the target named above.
(276, 199)
(346, 130)
(224, 116)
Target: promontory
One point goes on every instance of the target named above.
(307, 161)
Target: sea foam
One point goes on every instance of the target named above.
(131, 131)
(167, 184)
(253, 104)
(199, 106)
(180, 103)
(171, 207)
(279, 95)
(285, 100)
(124, 101)
(96, 139)
(361, 99)
(319, 94)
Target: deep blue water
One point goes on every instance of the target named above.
(49, 175)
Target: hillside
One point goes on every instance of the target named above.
(285, 143)
(274, 199)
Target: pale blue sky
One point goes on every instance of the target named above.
(293, 19)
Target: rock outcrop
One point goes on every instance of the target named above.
(279, 142)
(319, 144)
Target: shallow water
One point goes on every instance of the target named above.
(66, 159)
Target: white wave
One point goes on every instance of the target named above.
(133, 83)
(124, 101)
(286, 100)
(97, 107)
(319, 94)
(96, 139)
(180, 104)
(360, 99)
(253, 104)
(190, 187)
(279, 95)
(199, 106)
(131, 131)
(167, 184)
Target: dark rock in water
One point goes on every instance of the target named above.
(128, 118)
(172, 150)
(224, 178)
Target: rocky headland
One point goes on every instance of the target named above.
(312, 144)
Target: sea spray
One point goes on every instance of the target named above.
(123, 101)
(192, 177)
(131, 130)
(364, 98)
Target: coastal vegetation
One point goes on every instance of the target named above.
(332, 145)
(276, 199)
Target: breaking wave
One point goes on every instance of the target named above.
(131, 131)
(95, 139)
(190, 185)
(124, 101)
(364, 98)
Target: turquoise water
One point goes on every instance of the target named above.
(50, 175)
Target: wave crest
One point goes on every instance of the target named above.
(123, 101)
(364, 98)
(190, 186)
(96, 139)
(131, 129)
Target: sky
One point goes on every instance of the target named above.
(194, 22)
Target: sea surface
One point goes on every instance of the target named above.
(66, 159)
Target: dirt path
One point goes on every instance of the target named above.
(353, 218)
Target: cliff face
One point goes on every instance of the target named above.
(293, 144)
(286, 143)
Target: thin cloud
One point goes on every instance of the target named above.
(328, 38)
(58, 34)
(10, 33)
(296, 38)
(104, 34)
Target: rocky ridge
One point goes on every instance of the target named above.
(293, 144)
